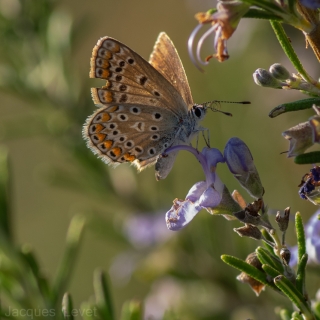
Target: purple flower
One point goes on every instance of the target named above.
(224, 22)
(312, 4)
(203, 195)
(240, 162)
(144, 231)
(312, 234)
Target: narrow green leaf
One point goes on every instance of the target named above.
(246, 268)
(289, 51)
(132, 310)
(308, 158)
(29, 257)
(294, 106)
(270, 271)
(4, 193)
(261, 14)
(266, 257)
(292, 6)
(102, 295)
(67, 307)
(301, 273)
(301, 240)
(294, 295)
(68, 260)
(269, 238)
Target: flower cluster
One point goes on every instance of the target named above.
(211, 194)
(225, 19)
(263, 267)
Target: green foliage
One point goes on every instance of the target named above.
(43, 74)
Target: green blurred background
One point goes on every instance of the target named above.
(45, 98)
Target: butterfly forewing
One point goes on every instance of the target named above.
(130, 79)
(172, 68)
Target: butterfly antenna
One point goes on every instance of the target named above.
(209, 105)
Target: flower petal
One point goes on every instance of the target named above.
(210, 198)
(196, 191)
(180, 214)
(213, 156)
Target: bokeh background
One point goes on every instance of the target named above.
(45, 98)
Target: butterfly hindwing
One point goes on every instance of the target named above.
(129, 133)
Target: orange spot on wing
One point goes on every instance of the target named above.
(129, 157)
(105, 117)
(117, 151)
(98, 128)
(102, 63)
(98, 137)
(102, 73)
(108, 144)
(105, 96)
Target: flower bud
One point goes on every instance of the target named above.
(249, 231)
(240, 162)
(279, 71)
(264, 78)
(285, 256)
(283, 220)
(300, 138)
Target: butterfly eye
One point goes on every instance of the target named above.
(197, 111)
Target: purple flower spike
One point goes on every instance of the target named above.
(312, 4)
(240, 162)
(312, 234)
(202, 195)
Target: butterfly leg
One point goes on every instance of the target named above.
(205, 134)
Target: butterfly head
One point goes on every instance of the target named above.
(198, 111)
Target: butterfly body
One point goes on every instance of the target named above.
(144, 108)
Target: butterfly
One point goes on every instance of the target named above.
(144, 107)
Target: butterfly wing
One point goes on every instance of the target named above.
(130, 79)
(130, 133)
(166, 60)
(116, 132)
